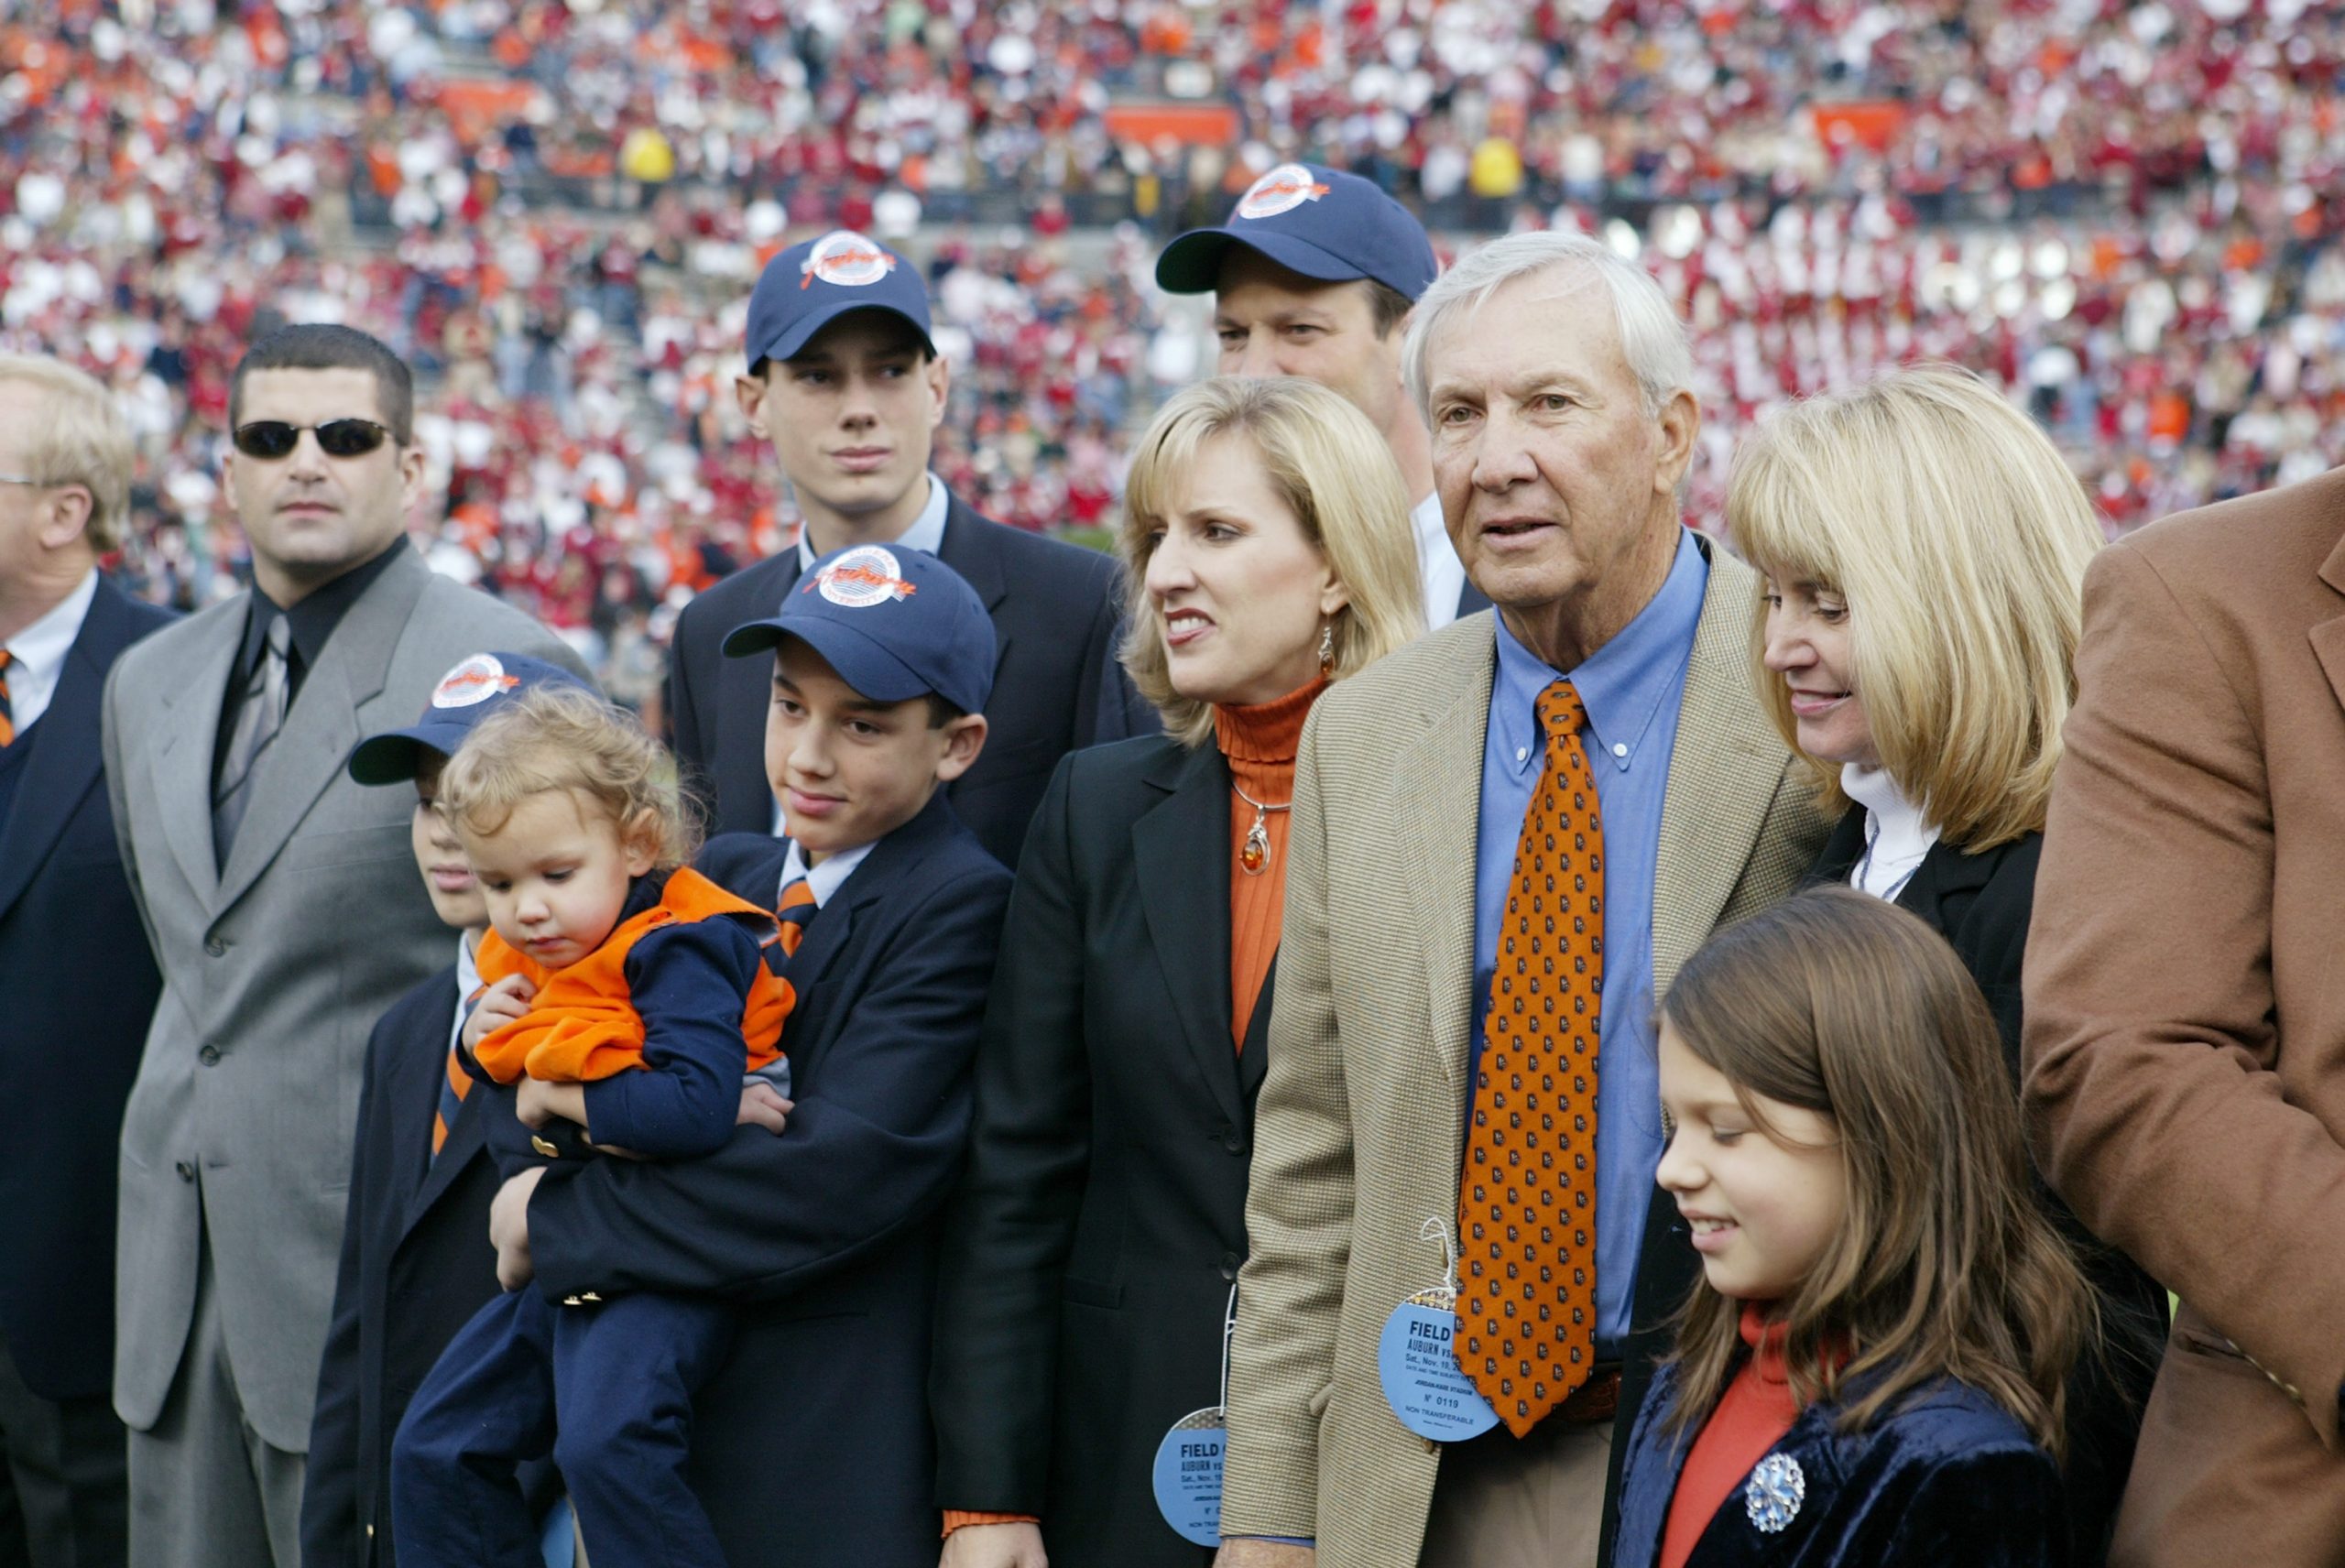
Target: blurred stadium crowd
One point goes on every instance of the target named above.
(2130, 213)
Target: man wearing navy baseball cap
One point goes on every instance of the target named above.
(844, 380)
(1314, 274)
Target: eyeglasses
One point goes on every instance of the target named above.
(336, 438)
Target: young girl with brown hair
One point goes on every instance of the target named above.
(1871, 1369)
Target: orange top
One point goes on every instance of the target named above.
(1753, 1414)
(582, 1026)
(1259, 743)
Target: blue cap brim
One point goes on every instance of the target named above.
(1192, 263)
(394, 757)
(860, 659)
(799, 332)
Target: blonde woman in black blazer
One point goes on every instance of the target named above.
(1093, 1246)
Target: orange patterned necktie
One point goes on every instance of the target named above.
(1526, 1206)
(8, 713)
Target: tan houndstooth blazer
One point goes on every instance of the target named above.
(1358, 1131)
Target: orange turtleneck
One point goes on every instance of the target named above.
(1259, 743)
(1751, 1417)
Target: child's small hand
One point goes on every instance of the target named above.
(539, 1103)
(505, 1002)
(762, 1105)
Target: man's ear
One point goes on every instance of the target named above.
(1681, 422)
(938, 372)
(750, 397)
(412, 465)
(965, 738)
(67, 515)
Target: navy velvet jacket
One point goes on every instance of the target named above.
(1948, 1478)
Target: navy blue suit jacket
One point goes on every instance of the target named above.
(81, 986)
(416, 1266)
(1056, 688)
(1949, 1476)
(811, 1447)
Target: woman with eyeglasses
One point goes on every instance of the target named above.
(1925, 547)
(1093, 1247)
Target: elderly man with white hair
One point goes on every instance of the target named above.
(1507, 837)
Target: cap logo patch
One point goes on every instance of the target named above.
(845, 258)
(475, 679)
(863, 577)
(1282, 190)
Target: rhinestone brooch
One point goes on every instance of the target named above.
(1775, 1492)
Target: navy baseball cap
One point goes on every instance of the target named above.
(809, 285)
(474, 689)
(895, 622)
(1318, 221)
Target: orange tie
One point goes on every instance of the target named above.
(8, 713)
(1526, 1206)
(454, 1084)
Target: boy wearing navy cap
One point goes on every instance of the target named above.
(422, 1179)
(844, 379)
(877, 671)
(1314, 274)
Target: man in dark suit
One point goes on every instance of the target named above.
(1315, 275)
(845, 381)
(80, 982)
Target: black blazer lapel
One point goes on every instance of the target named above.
(1945, 882)
(968, 548)
(1181, 859)
(744, 692)
(1255, 1059)
(1842, 849)
(898, 855)
(412, 1084)
(65, 760)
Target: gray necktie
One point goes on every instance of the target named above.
(258, 721)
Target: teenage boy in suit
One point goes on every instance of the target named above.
(76, 963)
(844, 380)
(422, 1177)
(877, 672)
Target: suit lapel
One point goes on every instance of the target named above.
(181, 765)
(1436, 803)
(413, 1086)
(1184, 897)
(322, 725)
(65, 760)
(1254, 1061)
(1722, 775)
(744, 693)
(968, 548)
(2329, 636)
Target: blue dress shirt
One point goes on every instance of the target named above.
(1632, 688)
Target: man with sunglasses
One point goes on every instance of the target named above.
(845, 381)
(284, 911)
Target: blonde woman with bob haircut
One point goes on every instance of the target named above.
(1091, 1257)
(1925, 548)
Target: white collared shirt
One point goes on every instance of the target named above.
(1437, 563)
(467, 982)
(927, 531)
(821, 880)
(36, 654)
(1897, 837)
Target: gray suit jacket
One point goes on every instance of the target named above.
(1359, 1133)
(274, 969)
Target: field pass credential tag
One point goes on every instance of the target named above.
(1416, 1360)
(1188, 1475)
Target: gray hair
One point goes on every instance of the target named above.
(76, 435)
(1653, 338)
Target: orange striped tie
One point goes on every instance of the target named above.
(454, 1084)
(1526, 1205)
(795, 910)
(7, 713)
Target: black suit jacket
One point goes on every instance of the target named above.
(416, 1266)
(1091, 1248)
(1981, 903)
(1056, 687)
(80, 986)
(811, 1447)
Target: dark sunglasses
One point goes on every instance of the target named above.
(336, 438)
